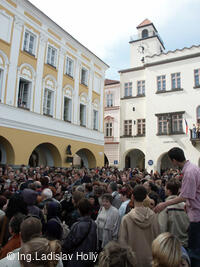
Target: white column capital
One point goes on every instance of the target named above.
(18, 22)
(62, 51)
(43, 38)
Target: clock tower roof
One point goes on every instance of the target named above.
(145, 23)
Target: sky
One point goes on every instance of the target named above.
(105, 26)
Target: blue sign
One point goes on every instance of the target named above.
(115, 162)
(150, 162)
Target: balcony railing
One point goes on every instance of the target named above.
(136, 37)
(111, 139)
(194, 137)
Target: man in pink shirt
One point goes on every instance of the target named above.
(190, 193)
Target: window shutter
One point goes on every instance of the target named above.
(26, 40)
(70, 110)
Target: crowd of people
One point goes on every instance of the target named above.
(102, 217)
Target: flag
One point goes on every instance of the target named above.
(186, 126)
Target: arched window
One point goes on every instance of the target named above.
(95, 114)
(145, 33)
(83, 102)
(68, 103)
(25, 89)
(49, 93)
(198, 114)
(109, 125)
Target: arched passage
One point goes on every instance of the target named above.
(135, 158)
(86, 158)
(45, 154)
(7, 155)
(164, 163)
(106, 161)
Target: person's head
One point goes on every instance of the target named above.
(177, 156)
(107, 200)
(44, 181)
(3, 201)
(52, 209)
(47, 193)
(84, 206)
(76, 197)
(112, 187)
(31, 227)
(15, 222)
(147, 186)
(115, 254)
(80, 188)
(88, 188)
(125, 193)
(139, 193)
(124, 178)
(16, 205)
(40, 247)
(166, 251)
(11, 175)
(77, 176)
(154, 199)
(172, 187)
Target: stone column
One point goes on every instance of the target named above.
(90, 109)
(59, 99)
(14, 55)
(76, 94)
(39, 72)
(101, 107)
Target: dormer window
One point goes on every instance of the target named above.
(145, 33)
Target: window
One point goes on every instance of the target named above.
(161, 83)
(171, 123)
(163, 124)
(128, 89)
(29, 42)
(51, 56)
(69, 67)
(67, 109)
(109, 100)
(140, 87)
(177, 123)
(145, 33)
(84, 76)
(97, 84)
(128, 127)
(198, 114)
(141, 127)
(109, 129)
(82, 115)
(176, 80)
(23, 94)
(6, 26)
(48, 102)
(95, 119)
(196, 77)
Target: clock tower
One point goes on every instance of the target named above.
(147, 42)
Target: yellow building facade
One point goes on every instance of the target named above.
(51, 92)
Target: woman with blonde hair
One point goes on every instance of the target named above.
(40, 252)
(166, 251)
(115, 254)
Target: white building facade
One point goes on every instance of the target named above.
(112, 122)
(160, 97)
(51, 92)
